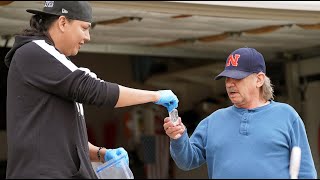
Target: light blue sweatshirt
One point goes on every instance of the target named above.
(246, 143)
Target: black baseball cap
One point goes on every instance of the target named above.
(77, 10)
(243, 62)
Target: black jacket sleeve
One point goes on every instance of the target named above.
(43, 67)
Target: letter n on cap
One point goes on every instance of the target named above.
(233, 60)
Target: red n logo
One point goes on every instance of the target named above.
(233, 60)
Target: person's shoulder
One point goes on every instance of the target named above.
(218, 114)
(223, 110)
(282, 106)
(30, 53)
(28, 48)
(228, 108)
(286, 108)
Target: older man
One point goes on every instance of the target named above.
(253, 138)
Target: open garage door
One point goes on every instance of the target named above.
(286, 32)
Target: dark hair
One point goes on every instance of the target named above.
(39, 25)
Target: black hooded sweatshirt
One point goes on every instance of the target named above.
(46, 130)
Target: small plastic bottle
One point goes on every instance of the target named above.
(174, 116)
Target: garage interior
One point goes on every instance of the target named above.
(181, 46)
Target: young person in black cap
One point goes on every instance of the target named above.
(254, 138)
(46, 129)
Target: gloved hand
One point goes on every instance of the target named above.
(168, 99)
(113, 153)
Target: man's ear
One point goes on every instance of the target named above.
(260, 79)
(62, 22)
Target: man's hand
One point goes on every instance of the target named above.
(173, 131)
(113, 153)
(168, 99)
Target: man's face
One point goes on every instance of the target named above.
(76, 34)
(243, 92)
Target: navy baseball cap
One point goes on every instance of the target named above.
(243, 62)
(77, 10)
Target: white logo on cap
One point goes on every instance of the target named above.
(64, 11)
(48, 4)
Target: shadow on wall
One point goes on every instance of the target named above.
(3, 87)
(3, 97)
(3, 165)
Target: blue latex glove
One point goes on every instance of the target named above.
(113, 153)
(168, 99)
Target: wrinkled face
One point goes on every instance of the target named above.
(75, 35)
(243, 92)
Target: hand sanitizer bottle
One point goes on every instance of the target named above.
(174, 116)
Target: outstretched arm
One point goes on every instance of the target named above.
(130, 96)
(187, 153)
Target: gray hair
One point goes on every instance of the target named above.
(267, 89)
